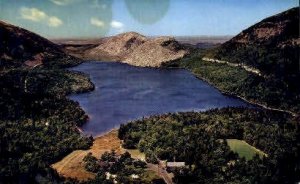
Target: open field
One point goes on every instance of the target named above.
(136, 154)
(72, 165)
(243, 149)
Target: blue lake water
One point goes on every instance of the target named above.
(124, 93)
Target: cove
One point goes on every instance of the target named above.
(124, 93)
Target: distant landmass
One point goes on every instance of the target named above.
(20, 47)
(131, 48)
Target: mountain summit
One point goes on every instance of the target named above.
(271, 46)
(138, 50)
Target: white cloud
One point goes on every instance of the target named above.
(62, 2)
(54, 21)
(36, 15)
(116, 24)
(97, 22)
(32, 14)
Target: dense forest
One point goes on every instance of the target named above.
(271, 91)
(270, 46)
(37, 121)
(199, 139)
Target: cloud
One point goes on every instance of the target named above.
(62, 2)
(97, 22)
(36, 15)
(116, 24)
(54, 21)
(32, 14)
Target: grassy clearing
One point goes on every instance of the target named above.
(136, 154)
(72, 165)
(243, 149)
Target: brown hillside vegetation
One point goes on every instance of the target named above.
(72, 165)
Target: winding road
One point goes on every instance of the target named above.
(245, 67)
(161, 172)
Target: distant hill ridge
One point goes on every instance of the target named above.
(271, 46)
(135, 49)
(116, 47)
(20, 47)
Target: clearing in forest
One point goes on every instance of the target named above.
(243, 149)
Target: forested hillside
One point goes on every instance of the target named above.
(199, 139)
(271, 47)
(20, 47)
(37, 121)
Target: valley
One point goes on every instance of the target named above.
(219, 110)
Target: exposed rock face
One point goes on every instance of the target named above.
(19, 47)
(271, 45)
(155, 52)
(136, 49)
(117, 47)
(272, 30)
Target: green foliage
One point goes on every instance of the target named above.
(91, 163)
(123, 166)
(275, 55)
(139, 164)
(243, 149)
(37, 121)
(109, 157)
(195, 139)
(273, 91)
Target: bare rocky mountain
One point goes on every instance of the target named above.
(20, 47)
(136, 49)
(156, 51)
(271, 45)
(117, 47)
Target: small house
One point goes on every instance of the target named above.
(175, 164)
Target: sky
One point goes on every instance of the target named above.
(98, 18)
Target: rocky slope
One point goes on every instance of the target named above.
(137, 50)
(271, 46)
(260, 65)
(20, 47)
(156, 51)
(116, 47)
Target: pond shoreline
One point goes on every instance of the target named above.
(126, 93)
(227, 93)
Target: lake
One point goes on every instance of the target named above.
(124, 93)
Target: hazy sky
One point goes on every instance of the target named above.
(95, 18)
